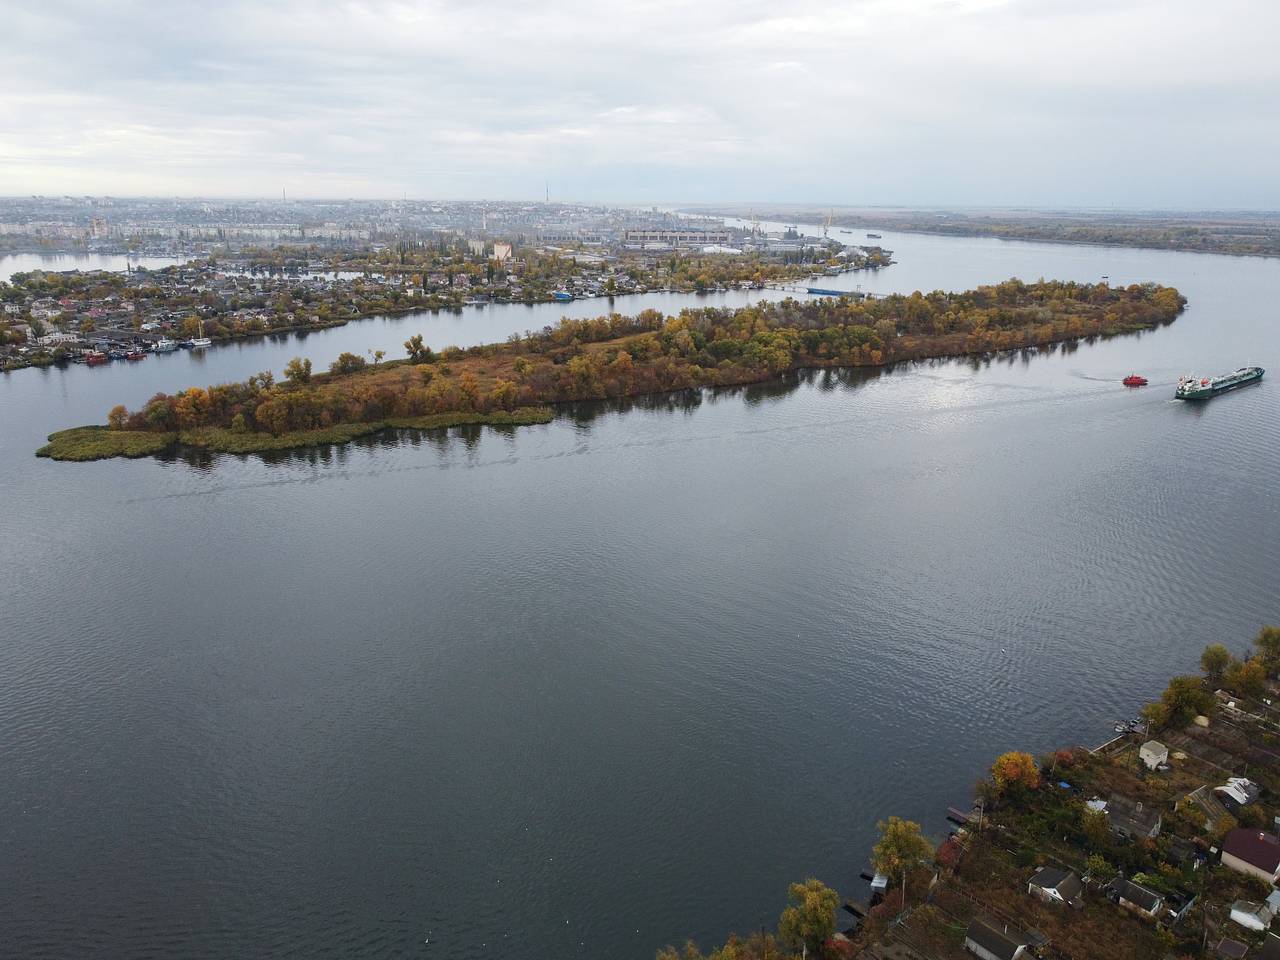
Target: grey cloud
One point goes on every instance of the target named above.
(879, 101)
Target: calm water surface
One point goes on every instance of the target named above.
(586, 688)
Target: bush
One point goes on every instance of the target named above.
(347, 363)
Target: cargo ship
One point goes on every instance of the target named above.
(1202, 388)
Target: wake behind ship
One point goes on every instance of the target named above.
(1202, 388)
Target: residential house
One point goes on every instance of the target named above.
(1252, 852)
(1153, 753)
(1176, 906)
(1135, 897)
(988, 941)
(1255, 916)
(1132, 819)
(1055, 885)
(1237, 792)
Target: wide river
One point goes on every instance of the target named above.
(583, 689)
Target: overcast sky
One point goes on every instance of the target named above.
(1130, 103)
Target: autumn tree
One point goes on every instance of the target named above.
(1015, 771)
(901, 846)
(347, 363)
(118, 417)
(1184, 698)
(503, 395)
(759, 946)
(1247, 678)
(418, 351)
(1096, 829)
(1268, 644)
(810, 917)
(1215, 660)
(298, 370)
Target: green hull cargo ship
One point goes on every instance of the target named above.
(1202, 388)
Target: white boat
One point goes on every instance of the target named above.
(200, 342)
(165, 345)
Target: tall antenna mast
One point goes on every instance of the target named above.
(547, 184)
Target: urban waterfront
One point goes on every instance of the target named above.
(595, 686)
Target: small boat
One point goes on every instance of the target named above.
(136, 355)
(874, 236)
(165, 345)
(116, 354)
(185, 344)
(1133, 380)
(562, 296)
(95, 358)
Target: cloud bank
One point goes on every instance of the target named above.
(1037, 102)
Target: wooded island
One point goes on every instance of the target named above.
(612, 356)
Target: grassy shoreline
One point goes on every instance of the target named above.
(82, 444)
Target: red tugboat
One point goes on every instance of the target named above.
(96, 358)
(1133, 380)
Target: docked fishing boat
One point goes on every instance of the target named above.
(1133, 380)
(1202, 388)
(165, 345)
(136, 355)
(96, 358)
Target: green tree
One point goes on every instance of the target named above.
(1097, 867)
(810, 917)
(1215, 660)
(298, 370)
(1096, 829)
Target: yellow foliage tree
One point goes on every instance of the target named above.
(1015, 769)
